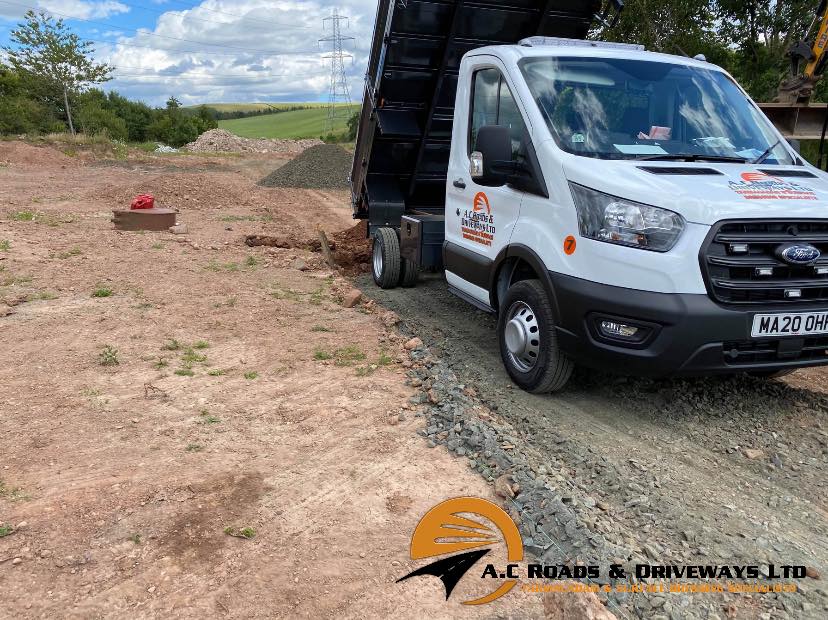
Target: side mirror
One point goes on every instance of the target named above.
(795, 145)
(493, 148)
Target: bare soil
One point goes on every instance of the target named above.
(158, 389)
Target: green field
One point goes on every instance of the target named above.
(251, 107)
(291, 125)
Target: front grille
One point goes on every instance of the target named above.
(733, 277)
(768, 351)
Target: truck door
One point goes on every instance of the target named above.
(479, 219)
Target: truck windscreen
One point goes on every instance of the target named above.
(612, 108)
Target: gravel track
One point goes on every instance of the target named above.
(703, 471)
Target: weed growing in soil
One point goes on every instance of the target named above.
(70, 253)
(5, 245)
(136, 538)
(251, 261)
(102, 292)
(24, 216)
(245, 532)
(190, 357)
(157, 246)
(319, 328)
(194, 447)
(6, 530)
(161, 363)
(185, 372)
(321, 355)
(346, 356)
(201, 344)
(217, 372)
(109, 356)
(251, 376)
(206, 418)
(172, 345)
(13, 494)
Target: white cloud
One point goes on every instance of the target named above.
(248, 50)
(75, 8)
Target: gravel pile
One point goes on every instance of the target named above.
(325, 166)
(222, 141)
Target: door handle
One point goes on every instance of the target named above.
(459, 184)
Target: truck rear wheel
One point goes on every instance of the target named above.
(386, 258)
(528, 342)
(409, 273)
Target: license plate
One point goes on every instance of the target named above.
(800, 324)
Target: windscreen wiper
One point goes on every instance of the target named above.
(767, 153)
(692, 157)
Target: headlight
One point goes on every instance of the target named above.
(607, 218)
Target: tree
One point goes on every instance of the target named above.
(50, 55)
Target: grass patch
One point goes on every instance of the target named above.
(206, 418)
(185, 372)
(171, 345)
(136, 538)
(157, 246)
(217, 372)
(347, 356)
(24, 216)
(385, 359)
(251, 376)
(70, 253)
(13, 494)
(245, 532)
(251, 261)
(5, 245)
(194, 447)
(102, 292)
(321, 355)
(219, 267)
(320, 328)
(6, 530)
(161, 363)
(201, 344)
(109, 356)
(190, 357)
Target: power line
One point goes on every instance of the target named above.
(152, 34)
(338, 92)
(118, 67)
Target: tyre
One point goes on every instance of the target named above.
(771, 374)
(528, 341)
(409, 273)
(385, 258)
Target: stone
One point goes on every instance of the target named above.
(503, 487)
(812, 573)
(566, 605)
(352, 298)
(753, 453)
(413, 344)
(179, 229)
(300, 265)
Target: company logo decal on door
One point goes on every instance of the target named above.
(478, 224)
(761, 186)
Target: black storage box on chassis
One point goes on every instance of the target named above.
(421, 240)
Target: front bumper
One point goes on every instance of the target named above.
(691, 334)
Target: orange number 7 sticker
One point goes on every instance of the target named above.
(570, 244)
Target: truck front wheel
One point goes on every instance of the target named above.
(528, 342)
(385, 259)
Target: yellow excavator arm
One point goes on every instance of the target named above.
(800, 85)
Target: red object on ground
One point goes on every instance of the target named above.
(144, 201)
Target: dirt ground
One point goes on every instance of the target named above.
(156, 390)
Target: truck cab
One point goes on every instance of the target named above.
(624, 210)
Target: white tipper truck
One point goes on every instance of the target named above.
(615, 208)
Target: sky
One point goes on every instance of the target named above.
(216, 51)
